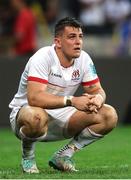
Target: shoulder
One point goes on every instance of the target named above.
(85, 57)
(84, 54)
(42, 53)
(43, 50)
(43, 57)
(40, 56)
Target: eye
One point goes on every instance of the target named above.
(72, 37)
(81, 36)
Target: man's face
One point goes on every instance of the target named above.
(70, 42)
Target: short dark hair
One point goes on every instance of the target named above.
(67, 21)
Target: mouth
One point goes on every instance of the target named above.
(77, 49)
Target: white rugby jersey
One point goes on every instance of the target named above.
(44, 67)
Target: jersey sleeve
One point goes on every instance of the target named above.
(38, 68)
(90, 75)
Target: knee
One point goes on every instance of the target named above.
(35, 123)
(38, 123)
(110, 118)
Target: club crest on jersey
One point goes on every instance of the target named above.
(75, 75)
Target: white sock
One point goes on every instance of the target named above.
(28, 149)
(28, 144)
(86, 137)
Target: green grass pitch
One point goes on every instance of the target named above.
(108, 158)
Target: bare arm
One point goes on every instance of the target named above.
(96, 89)
(38, 96)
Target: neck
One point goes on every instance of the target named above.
(64, 60)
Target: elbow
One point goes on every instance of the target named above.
(32, 101)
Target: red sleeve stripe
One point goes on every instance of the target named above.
(30, 78)
(90, 82)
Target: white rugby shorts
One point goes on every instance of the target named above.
(57, 126)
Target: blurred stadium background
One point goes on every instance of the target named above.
(107, 29)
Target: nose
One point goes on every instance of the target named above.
(78, 40)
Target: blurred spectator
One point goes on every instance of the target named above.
(124, 31)
(6, 19)
(43, 30)
(24, 28)
(50, 11)
(118, 16)
(116, 10)
(92, 12)
(73, 8)
(108, 18)
(92, 16)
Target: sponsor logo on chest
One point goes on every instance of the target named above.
(56, 75)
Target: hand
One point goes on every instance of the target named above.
(83, 102)
(97, 101)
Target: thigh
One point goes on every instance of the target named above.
(80, 119)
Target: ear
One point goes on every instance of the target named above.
(57, 42)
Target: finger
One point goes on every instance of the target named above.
(95, 110)
(85, 94)
(92, 107)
